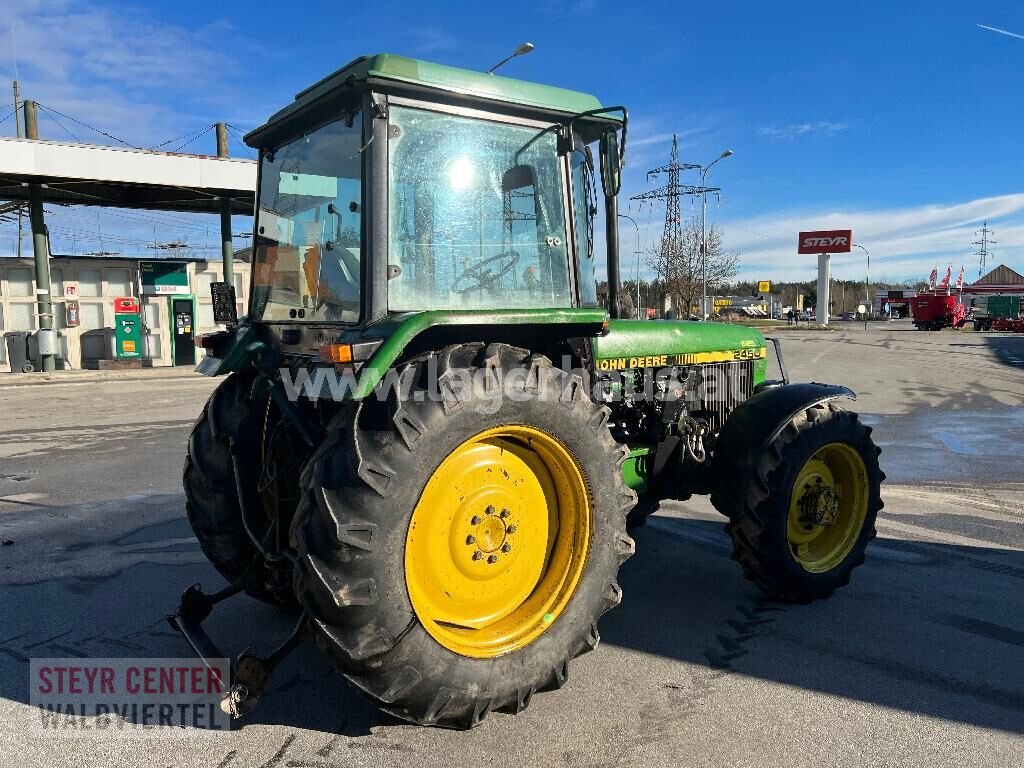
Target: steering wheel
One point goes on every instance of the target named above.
(482, 277)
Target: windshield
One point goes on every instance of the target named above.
(476, 214)
(308, 243)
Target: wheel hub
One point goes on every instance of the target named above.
(820, 506)
(827, 508)
(490, 533)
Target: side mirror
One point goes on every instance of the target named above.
(611, 162)
(517, 177)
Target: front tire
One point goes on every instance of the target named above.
(455, 552)
(810, 509)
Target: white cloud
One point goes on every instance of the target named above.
(121, 71)
(796, 130)
(904, 242)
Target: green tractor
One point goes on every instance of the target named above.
(433, 434)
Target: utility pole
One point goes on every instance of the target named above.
(226, 247)
(45, 338)
(672, 235)
(983, 244)
(17, 130)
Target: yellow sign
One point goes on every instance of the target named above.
(764, 286)
(692, 358)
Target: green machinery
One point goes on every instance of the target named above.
(433, 436)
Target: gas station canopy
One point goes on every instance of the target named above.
(88, 174)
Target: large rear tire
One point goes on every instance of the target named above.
(456, 551)
(809, 512)
(229, 417)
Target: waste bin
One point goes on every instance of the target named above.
(17, 351)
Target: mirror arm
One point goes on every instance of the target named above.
(602, 111)
(611, 236)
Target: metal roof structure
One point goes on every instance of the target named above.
(90, 174)
(1002, 279)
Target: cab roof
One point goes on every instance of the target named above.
(388, 69)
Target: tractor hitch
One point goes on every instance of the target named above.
(250, 674)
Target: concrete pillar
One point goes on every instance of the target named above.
(823, 285)
(226, 243)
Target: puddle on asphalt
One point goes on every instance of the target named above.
(938, 444)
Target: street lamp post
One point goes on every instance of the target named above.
(867, 275)
(637, 226)
(703, 235)
(522, 50)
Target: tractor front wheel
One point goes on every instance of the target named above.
(458, 544)
(810, 509)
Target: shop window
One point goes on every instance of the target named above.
(203, 280)
(23, 316)
(204, 315)
(119, 282)
(20, 282)
(151, 314)
(90, 283)
(154, 346)
(91, 316)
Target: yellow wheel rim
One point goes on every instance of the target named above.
(827, 507)
(498, 541)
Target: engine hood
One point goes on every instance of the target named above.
(656, 343)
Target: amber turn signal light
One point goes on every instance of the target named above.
(335, 353)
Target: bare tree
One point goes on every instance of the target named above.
(678, 267)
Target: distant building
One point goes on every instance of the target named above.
(1002, 279)
(97, 281)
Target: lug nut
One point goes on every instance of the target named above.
(475, 520)
(511, 529)
(506, 547)
(471, 539)
(477, 555)
(492, 559)
(490, 509)
(505, 513)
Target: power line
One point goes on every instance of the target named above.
(983, 253)
(191, 141)
(58, 122)
(671, 246)
(11, 114)
(240, 139)
(188, 135)
(90, 127)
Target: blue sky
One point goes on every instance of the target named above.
(898, 119)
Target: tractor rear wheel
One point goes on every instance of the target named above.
(457, 545)
(809, 510)
(232, 420)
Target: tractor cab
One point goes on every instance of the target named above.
(400, 186)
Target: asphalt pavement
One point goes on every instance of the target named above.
(920, 661)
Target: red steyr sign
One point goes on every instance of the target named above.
(826, 241)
